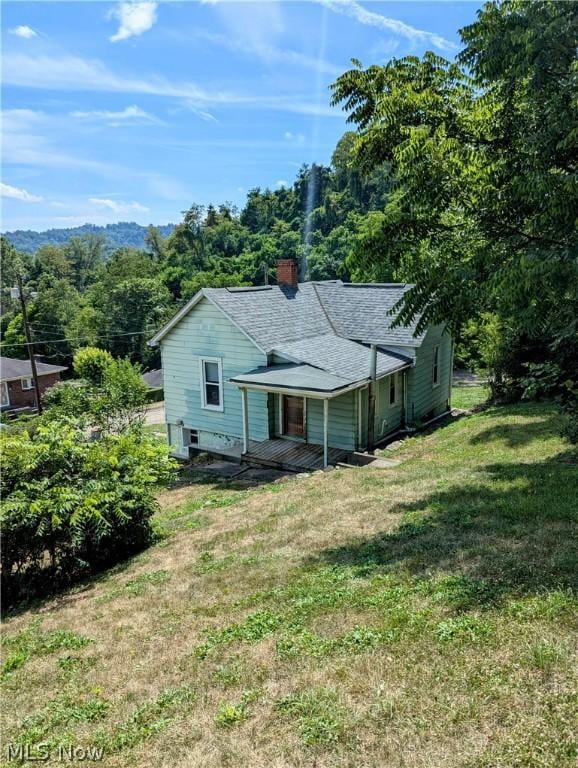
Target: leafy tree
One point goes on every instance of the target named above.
(209, 280)
(484, 155)
(111, 397)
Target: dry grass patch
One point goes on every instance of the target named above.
(421, 615)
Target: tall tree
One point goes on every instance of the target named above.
(485, 157)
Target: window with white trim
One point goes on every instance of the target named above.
(393, 389)
(436, 367)
(27, 383)
(211, 383)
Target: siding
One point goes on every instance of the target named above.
(342, 426)
(342, 423)
(387, 417)
(206, 332)
(423, 397)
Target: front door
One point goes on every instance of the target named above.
(293, 416)
(5, 395)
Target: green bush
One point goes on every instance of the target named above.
(90, 363)
(111, 397)
(71, 505)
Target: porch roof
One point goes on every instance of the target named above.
(293, 377)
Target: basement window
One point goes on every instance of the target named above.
(190, 437)
(211, 383)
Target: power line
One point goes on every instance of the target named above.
(81, 338)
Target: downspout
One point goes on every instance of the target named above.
(371, 398)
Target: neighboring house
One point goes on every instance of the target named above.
(298, 374)
(154, 379)
(17, 385)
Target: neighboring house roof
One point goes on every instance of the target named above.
(12, 369)
(154, 378)
(272, 316)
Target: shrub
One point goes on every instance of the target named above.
(90, 363)
(111, 397)
(71, 505)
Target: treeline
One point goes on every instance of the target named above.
(117, 301)
(117, 235)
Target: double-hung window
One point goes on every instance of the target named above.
(211, 383)
(436, 367)
(27, 383)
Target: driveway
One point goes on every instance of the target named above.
(155, 413)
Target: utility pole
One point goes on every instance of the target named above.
(29, 343)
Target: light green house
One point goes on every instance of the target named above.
(298, 374)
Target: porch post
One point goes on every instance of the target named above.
(245, 412)
(325, 432)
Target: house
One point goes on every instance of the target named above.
(17, 384)
(298, 374)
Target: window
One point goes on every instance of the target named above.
(211, 383)
(393, 389)
(190, 437)
(436, 368)
(27, 383)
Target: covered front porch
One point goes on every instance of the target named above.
(306, 409)
(279, 453)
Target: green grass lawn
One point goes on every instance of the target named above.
(421, 615)
(466, 396)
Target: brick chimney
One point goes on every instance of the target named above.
(287, 272)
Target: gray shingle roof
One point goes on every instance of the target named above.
(363, 312)
(323, 326)
(11, 368)
(154, 378)
(297, 377)
(341, 357)
(275, 315)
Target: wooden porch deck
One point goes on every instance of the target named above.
(291, 455)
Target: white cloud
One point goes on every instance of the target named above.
(296, 138)
(18, 193)
(129, 114)
(262, 49)
(23, 31)
(73, 73)
(134, 19)
(356, 11)
(281, 183)
(117, 206)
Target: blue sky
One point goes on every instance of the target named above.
(133, 111)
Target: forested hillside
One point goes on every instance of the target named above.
(122, 234)
(117, 301)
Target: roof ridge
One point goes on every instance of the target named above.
(323, 309)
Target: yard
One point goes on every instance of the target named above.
(420, 615)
